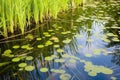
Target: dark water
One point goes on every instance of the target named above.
(82, 44)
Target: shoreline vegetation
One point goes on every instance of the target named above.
(18, 15)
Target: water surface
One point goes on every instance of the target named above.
(82, 44)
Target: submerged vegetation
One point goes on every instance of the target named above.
(19, 14)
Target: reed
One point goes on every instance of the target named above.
(17, 14)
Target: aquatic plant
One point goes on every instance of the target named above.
(18, 14)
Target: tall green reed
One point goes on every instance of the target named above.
(2, 18)
(17, 14)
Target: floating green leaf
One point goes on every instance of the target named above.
(106, 40)
(29, 48)
(97, 51)
(29, 58)
(25, 46)
(53, 56)
(59, 50)
(21, 69)
(88, 55)
(48, 43)
(38, 39)
(7, 53)
(49, 58)
(29, 68)
(111, 34)
(56, 46)
(94, 69)
(115, 39)
(64, 33)
(65, 76)
(45, 33)
(29, 36)
(67, 41)
(40, 46)
(17, 59)
(58, 71)
(16, 46)
(92, 73)
(22, 64)
(107, 71)
(44, 69)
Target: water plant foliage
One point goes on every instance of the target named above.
(63, 50)
(17, 14)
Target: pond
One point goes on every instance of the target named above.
(82, 44)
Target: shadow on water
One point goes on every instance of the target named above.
(81, 44)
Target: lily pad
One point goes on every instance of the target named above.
(92, 73)
(38, 39)
(54, 38)
(21, 69)
(44, 70)
(110, 34)
(106, 40)
(56, 46)
(116, 39)
(17, 59)
(29, 48)
(22, 64)
(107, 71)
(7, 53)
(29, 68)
(65, 76)
(60, 50)
(48, 43)
(97, 51)
(64, 33)
(29, 36)
(88, 55)
(25, 46)
(40, 46)
(48, 58)
(67, 41)
(16, 46)
(58, 71)
(29, 58)
(45, 33)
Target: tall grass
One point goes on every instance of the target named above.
(17, 14)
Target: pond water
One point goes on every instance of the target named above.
(82, 44)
